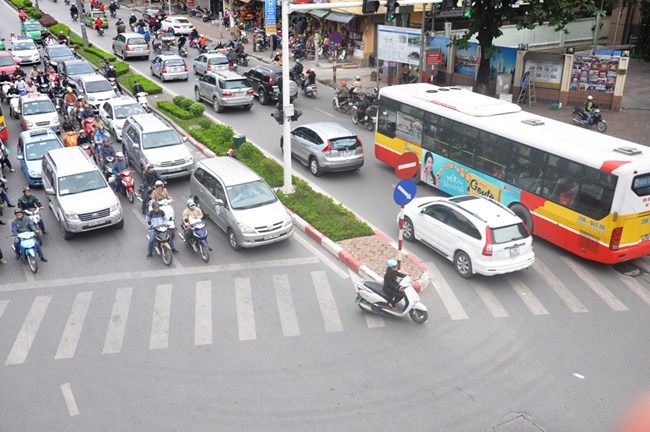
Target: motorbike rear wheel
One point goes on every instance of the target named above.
(355, 117)
(602, 126)
(130, 196)
(33, 265)
(418, 316)
(167, 256)
(204, 252)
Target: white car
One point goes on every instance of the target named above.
(478, 235)
(96, 89)
(25, 51)
(180, 25)
(114, 113)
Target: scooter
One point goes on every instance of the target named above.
(166, 207)
(310, 90)
(198, 242)
(100, 31)
(161, 243)
(14, 111)
(128, 183)
(6, 86)
(364, 113)
(341, 102)
(142, 100)
(70, 138)
(371, 298)
(579, 118)
(182, 52)
(35, 216)
(243, 38)
(242, 59)
(27, 249)
(208, 17)
(113, 82)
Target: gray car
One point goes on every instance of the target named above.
(326, 146)
(72, 70)
(210, 62)
(224, 89)
(129, 45)
(169, 67)
(55, 54)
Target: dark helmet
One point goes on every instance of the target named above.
(155, 204)
(18, 210)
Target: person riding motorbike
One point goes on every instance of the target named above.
(120, 26)
(20, 225)
(83, 138)
(4, 77)
(149, 180)
(29, 202)
(98, 24)
(21, 86)
(67, 124)
(119, 165)
(193, 212)
(104, 151)
(297, 69)
(357, 88)
(70, 99)
(112, 74)
(137, 87)
(182, 40)
(112, 8)
(201, 43)
(311, 79)
(194, 34)
(42, 81)
(133, 20)
(31, 88)
(160, 192)
(33, 73)
(589, 109)
(156, 217)
(74, 12)
(22, 15)
(63, 39)
(391, 283)
(85, 111)
(99, 131)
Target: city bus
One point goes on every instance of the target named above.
(586, 192)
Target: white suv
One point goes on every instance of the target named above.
(478, 235)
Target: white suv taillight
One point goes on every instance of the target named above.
(487, 248)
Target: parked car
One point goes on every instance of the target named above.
(25, 51)
(478, 235)
(96, 89)
(169, 67)
(37, 111)
(211, 61)
(32, 146)
(263, 80)
(33, 29)
(72, 70)
(114, 113)
(181, 25)
(224, 89)
(92, 15)
(326, 146)
(55, 54)
(8, 63)
(128, 45)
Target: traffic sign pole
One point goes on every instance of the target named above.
(400, 236)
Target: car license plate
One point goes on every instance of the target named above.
(346, 153)
(514, 251)
(271, 236)
(96, 222)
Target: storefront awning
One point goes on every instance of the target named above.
(339, 17)
(318, 13)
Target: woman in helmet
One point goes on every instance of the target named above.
(160, 192)
(391, 283)
(358, 86)
(191, 212)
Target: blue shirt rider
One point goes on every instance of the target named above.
(119, 165)
(20, 225)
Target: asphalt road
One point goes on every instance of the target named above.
(270, 339)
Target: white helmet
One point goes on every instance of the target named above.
(590, 97)
(119, 155)
(158, 183)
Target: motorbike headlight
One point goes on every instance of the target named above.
(71, 216)
(245, 228)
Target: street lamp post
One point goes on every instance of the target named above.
(84, 35)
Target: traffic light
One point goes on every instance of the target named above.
(278, 115)
(467, 8)
(370, 6)
(296, 115)
(391, 10)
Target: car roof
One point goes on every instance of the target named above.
(49, 47)
(329, 129)
(35, 135)
(170, 56)
(75, 61)
(476, 207)
(230, 170)
(150, 122)
(214, 55)
(90, 78)
(34, 97)
(132, 34)
(227, 75)
(121, 100)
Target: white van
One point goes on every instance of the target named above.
(240, 202)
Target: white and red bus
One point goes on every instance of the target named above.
(586, 192)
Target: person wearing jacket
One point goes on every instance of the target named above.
(154, 218)
(29, 202)
(119, 165)
(149, 180)
(191, 212)
(20, 225)
(391, 283)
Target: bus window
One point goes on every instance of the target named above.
(462, 149)
(387, 118)
(525, 174)
(491, 159)
(594, 200)
(565, 165)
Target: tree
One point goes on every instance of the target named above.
(488, 16)
(642, 46)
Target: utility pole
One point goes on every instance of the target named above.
(84, 35)
(423, 42)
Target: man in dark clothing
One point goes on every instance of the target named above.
(391, 283)
(149, 179)
(111, 75)
(20, 225)
(29, 202)
(137, 88)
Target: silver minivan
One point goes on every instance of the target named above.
(128, 45)
(78, 192)
(240, 202)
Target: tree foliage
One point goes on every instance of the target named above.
(642, 46)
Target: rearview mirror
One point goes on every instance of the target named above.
(19, 156)
(136, 145)
(49, 191)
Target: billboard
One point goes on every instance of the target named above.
(399, 44)
(270, 16)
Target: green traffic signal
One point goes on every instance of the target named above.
(467, 12)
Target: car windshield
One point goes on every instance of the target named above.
(83, 182)
(218, 60)
(36, 150)
(33, 27)
(6, 61)
(182, 21)
(509, 233)
(250, 195)
(23, 46)
(99, 14)
(38, 107)
(344, 143)
(160, 139)
(125, 111)
(60, 52)
(136, 41)
(175, 62)
(235, 84)
(98, 86)
(81, 68)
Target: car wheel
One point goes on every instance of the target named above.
(232, 239)
(409, 230)
(197, 95)
(263, 97)
(215, 104)
(463, 264)
(522, 212)
(67, 235)
(314, 167)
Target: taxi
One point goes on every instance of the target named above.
(32, 29)
(212, 61)
(32, 146)
(24, 50)
(92, 15)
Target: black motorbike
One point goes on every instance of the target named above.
(580, 118)
(209, 17)
(364, 111)
(242, 59)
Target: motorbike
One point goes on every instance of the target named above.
(88, 148)
(198, 242)
(261, 41)
(364, 112)
(100, 30)
(113, 82)
(310, 90)
(371, 298)
(196, 12)
(182, 52)
(579, 118)
(6, 86)
(44, 88)
(27, 249)
(142, 100)
(243, 38)
(342, 102)
(242, 59)
(161, 243)
(209, 17)
(128, 183)
(166, 207)
(35, 216)
(70, 138)
(87, 125)
(13, 105)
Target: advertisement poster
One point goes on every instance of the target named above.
(441, 43)
(399, 44)
(546, 74)
(270, 16)
(467, 60)
(503, 62)
(408, 128)
(594, 73)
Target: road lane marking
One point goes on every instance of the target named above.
(596, 286)
(161, 315)
(203, 313)
(286, 308)
(634, 285)
(526, 295)
(158, 274)
(324, 112)
(328, 309)
(325, 259)
(70, 402)
(3, 306)
(72, 331)
(449, 299)
(28, 331)
(488, 298)
(560, 289)
(245, 311)
(117, 324)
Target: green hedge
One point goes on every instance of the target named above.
(175, 110)
(149, 86)
(100, 53)
(34, 13)
(197, 109)
(121, 67)
(183, 102)
(75, 39)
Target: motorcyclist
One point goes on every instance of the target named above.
(83, 138)
(74, 11)
(342, 93)
(63, 39)
(191, 212)
(137, 87)
(85, 111)
(201, 43)
(33, 73)
(112, 9)
(589, 109)
(70, 99)
(106, 65)
(357, 88)
(111, 75)
(99, 131)
(104, 151)
(120, 26)
(311, 79)
(297, 69)
(29, 202)
(154, 218)
(194, 34)
(133, 21)
(31, 88)
(182, 40)
(98, 24)
(21, 14)
(67, 124)
(20, 225)
(21, 86)
(119, 165)
(42, 82)
(149, 179)
(19, 73)
(160, 192)
(4, 77)
(391, 283)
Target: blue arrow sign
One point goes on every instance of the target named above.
(404, 192)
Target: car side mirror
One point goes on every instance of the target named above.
(49, 191)
(219, 202)
(135, 146)
(19, 156)
(184, 139)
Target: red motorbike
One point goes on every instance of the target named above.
(88, 126)
(128, 184)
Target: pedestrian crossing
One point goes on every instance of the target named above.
(289, 304)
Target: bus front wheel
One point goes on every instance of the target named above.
(523, 213)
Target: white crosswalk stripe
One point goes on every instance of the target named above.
(73, 327)
(3, 306)
(449, 299)
(286, 308)
(634, 286)
(490, 300)
(28, 331)
(203, 313)
(117, 323)
(596, 286)
(245, 310)
(161, 316)
(527, 296)
(326, 302)
(558, 287)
